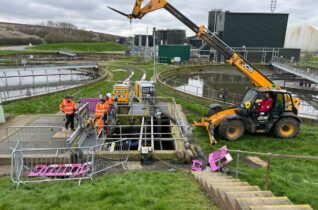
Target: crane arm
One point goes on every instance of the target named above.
(232, 57)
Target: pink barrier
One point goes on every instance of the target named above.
(91, 103)
(60, 170)
(219, 158)
(197, 165)
(37, 170)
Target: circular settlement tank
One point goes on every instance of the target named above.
(303, 37)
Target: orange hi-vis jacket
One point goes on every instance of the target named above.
(110, 100)
(100, 110)
(68, 107)
(100, 125)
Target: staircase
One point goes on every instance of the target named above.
(232, 194)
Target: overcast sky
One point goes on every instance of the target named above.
(94, 15)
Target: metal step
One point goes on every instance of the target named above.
(281, 207)
(246, 203)
(230, 196)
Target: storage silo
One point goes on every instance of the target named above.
(141, 40)
(213, 14)
(303, 37)
(161, 37)
(176, 36)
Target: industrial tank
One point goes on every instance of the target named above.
(303, 37)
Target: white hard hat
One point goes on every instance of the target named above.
(109, 95)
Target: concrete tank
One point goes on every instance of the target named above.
(303, 37)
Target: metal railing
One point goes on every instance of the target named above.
(206, 92)
(166, 105)
(291, 67)
(34, 165)
(38, 90)
(13, 61)
(308, 111)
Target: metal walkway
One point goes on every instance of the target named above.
(313, 77)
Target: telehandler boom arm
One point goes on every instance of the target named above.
(257, 78)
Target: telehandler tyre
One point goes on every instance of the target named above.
(287, 127)
(231, 130)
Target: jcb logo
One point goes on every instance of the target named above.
(248, 67)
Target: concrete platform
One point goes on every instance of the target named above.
(46, 132)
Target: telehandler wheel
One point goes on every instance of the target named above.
(232, 129)
(287, 128)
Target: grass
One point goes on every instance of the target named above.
(80, 47)
(296, 179)
(311, 62)
(129, 190)
(11, 52)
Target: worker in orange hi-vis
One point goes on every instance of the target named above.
(109, 98)
(68, 106)
(100, 112)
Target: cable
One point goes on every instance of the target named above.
(172, 166)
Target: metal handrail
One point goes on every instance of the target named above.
(303, 157)
(269, 156)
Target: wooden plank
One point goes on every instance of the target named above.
(221, 194)
(231, 195)
(207, 184)
(217, 180)
(282, 207)
(246, 203)
(209, 175)
(213, 187)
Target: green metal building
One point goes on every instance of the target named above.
(169, 52)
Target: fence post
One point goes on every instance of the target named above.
(269, 160)
(93, 162)
(237, 163)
